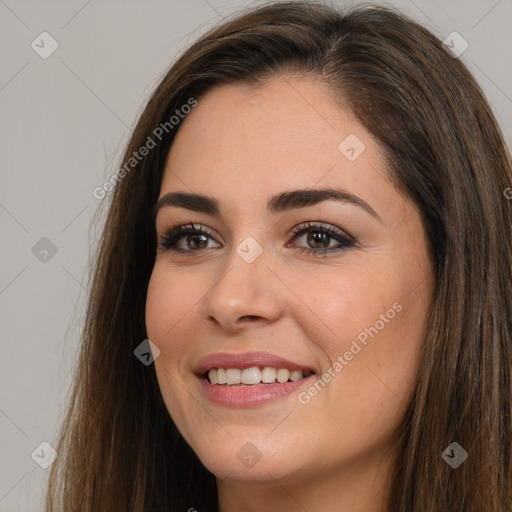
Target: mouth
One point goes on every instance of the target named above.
(250, 378)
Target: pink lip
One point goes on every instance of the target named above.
(250, 395)
(244, 360)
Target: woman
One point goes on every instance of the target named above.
(309, 225)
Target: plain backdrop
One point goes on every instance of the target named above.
(63, 122)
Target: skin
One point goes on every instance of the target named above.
(241, 145)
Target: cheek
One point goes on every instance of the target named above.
(171, 297)
(369, 318)
(159, 303)
(170, 303)
(339, 304)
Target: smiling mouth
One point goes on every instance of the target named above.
(235, 377)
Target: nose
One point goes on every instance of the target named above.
(245, 294)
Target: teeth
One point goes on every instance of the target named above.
(221, 376)
(251, 376)
(283, 375)
(213, 376)
(295, 375)
(268, 375)
(254, 375)
(233, 376)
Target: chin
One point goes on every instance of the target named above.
(260, 471)
(252, 458)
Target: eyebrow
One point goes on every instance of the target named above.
(282, 202)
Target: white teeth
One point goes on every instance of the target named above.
(233, 376)
(253, 375)
(295, 375)
(212, 375)
(283, 375)
(221, 376)
(268, 375)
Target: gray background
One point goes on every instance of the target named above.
(64, 121)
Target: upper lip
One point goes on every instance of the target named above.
(244, 360)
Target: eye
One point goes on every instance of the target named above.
(321, 239)
(318, 237)
(187, 239)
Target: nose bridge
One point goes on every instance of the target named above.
(243, 291)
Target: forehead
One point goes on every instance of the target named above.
(249, 142)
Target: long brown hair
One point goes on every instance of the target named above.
(119, 449)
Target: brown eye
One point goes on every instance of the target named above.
(197, 241)
(318, 238)
(186, 239)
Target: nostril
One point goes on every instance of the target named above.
(249, 317)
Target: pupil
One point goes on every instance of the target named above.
(192, 241)
(317, 237)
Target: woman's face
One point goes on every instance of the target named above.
(338, 285)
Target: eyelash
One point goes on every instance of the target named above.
(170, 238)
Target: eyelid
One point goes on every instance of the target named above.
(323, 226)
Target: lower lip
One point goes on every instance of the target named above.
(250, 395)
